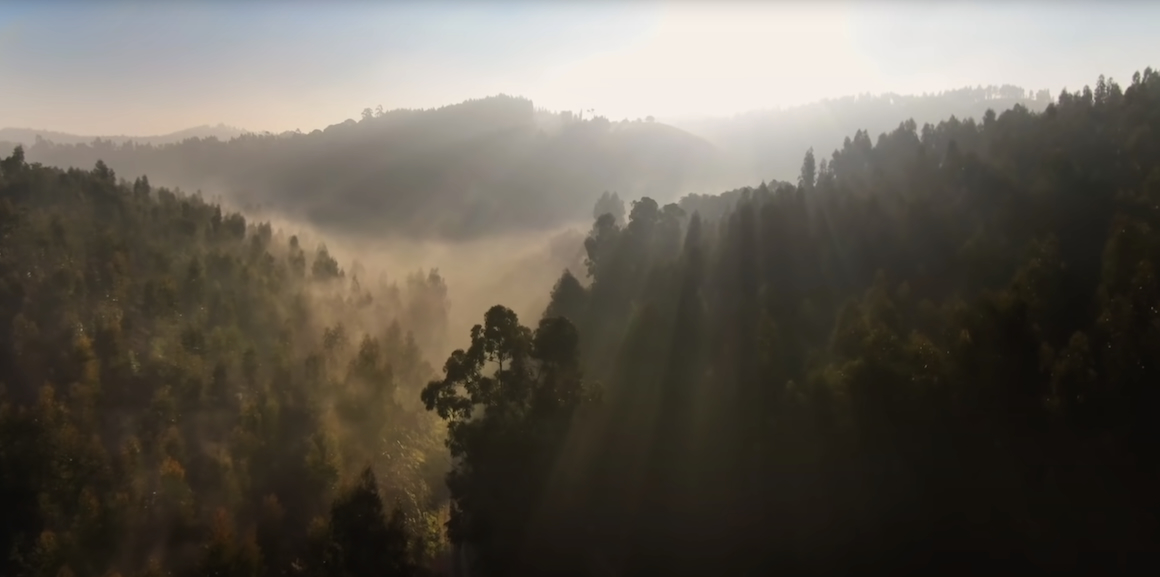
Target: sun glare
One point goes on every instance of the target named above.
(714, 59)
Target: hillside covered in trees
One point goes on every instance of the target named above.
(765, 144)
(183, 392)
(498, 164)
(935, 342)
(456, 172)
(938, 342)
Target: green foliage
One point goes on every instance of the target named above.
(510, 400)
(944, 340)
(940, 341)
(360, 539)
(180, 396)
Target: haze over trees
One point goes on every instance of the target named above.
(27, 137)
(185, 392)
(937, 342)
(456, 172)
(498, 164)
(765, 144)
(930, 342)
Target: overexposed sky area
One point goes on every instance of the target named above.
(122, 67)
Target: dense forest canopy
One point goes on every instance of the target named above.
(185, 392)
(936, 341)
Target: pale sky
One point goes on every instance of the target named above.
(119, 67)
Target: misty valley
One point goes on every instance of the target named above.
(881, 334)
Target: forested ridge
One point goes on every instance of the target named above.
(768, 143)
(457, 172)
(188, 393)
(941, 341)
(495, 165)
(29, 137)
(933, 345)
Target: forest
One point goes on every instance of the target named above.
(495, 165)
(931, 353)
(186, 392)
(765, 144)
(459, 172)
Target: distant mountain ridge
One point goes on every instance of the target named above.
(460, 171)
(769, 144)
(500, 164)
(28, 136)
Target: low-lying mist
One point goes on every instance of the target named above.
(517, 269)
(460, 172)
(797, 377)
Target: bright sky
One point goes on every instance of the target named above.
(117, 67)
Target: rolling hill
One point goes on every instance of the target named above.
(457, 172)
(28, 136)
(499, 164)
(768, 144)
